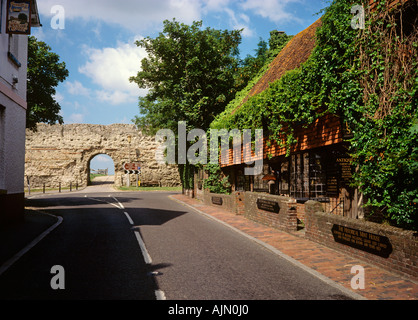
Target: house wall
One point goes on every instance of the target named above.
(12, 122)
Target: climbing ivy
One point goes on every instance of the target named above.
(216, 181)
(367, 77)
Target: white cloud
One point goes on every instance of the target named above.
(274, 10)
(138, 15)
(131, 14)
(115, 97)
(76, 118)
(240, 21)
(76, 88)
(111, 68)
(103, 159)
(59, 97)
(215, 5)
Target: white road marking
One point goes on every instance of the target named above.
(160, 295)
(147, 258)
(145, 253)
(129, 218)
(17, 256)
(120, 204)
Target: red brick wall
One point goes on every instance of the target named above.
(404, 256)
(285, 220)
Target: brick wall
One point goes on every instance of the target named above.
(245, 203)
(403, 258)
(227, 201)
(285, 219)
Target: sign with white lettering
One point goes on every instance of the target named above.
(132, 166)
(369, 242)
(268, 205)
(18, 17)
(217, 200)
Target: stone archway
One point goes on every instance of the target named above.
(89, 166)
(60, 154)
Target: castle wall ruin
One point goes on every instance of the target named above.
(61, 154)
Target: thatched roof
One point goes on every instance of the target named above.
(296, 52)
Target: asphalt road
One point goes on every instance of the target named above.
(146, 246)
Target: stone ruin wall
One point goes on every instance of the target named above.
(62, 153)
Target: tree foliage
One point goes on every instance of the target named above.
(216, 181)
(190, 74)
(45, 72)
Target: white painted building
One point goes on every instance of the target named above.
(13, 77)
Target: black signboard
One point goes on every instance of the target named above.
(346, 170)
(217, 200)
(365, 241)
(267, 205)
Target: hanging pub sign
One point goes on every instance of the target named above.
(18, 17)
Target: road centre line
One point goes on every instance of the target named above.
(145, 253)
(147, 258)
(111, 203)
(129, 218)
(141, 243)
(160, 295)
(120, 204)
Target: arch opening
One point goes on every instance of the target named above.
(101, 169)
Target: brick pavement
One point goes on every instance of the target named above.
(379, 284)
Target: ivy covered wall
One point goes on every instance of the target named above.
(367, 77)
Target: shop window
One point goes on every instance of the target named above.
(305, 174)
(261, 185)
(284, 178)
(299, 175)
(303, 177)
(13, 52)
(240, 181)
(243, 182)
(317, 176)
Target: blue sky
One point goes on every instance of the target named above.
(97, 45)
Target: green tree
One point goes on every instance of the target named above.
(45, 72)
(190, 74)
(251, 65)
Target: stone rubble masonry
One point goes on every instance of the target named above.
(62, 153)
